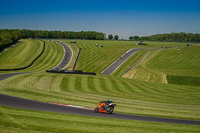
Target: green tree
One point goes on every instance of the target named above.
(116, 37)
(143, 38)
(16, 34)
(131, 38)
(100, 37)
(110, 37)
(6, 38)
(136, 38)
(38, 33)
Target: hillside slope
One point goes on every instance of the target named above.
(21, 55)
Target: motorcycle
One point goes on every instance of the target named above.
(105, 107)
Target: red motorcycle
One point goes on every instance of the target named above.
(105, 107)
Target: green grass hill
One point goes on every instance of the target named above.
(21, 55)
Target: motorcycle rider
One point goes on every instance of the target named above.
(107, 103)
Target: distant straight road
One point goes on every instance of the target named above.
(109, 70)
(17, 102)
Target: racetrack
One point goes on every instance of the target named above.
(109, 70)
(16, 102)
(5, 76)
(67, 57)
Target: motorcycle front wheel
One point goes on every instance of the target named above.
(109, 110)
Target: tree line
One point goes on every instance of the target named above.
(169, 37)
(10, 36)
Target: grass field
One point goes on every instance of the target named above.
(172, 62)
(183, 62)
(51, 57)
(131, 96)
(21, 55)
(19, 120)
(183, 80)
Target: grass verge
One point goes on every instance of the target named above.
(20, 120)
(183, 80)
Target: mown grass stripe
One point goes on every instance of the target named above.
(177, 62)
(78, 83)
(97, 85)
(22, 55)
(72, 82)
(137, 87)
(91, 65)
(151, 89)
(26, 82)
(84, 84)
(55, 85)
(65, 84)
(50, 51)
(102, 84)
(108, 85)
(115, 85)
(90, 83)
(41, 63)
(35, 53)
(90, 59)
(127, 85)
(44, 83)
(12, 82)
(89, 53)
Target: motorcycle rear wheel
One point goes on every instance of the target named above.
(96, 110)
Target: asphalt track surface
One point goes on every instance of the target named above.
(109, 70)
(67, 56)
(8, 75)
(17, 102)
